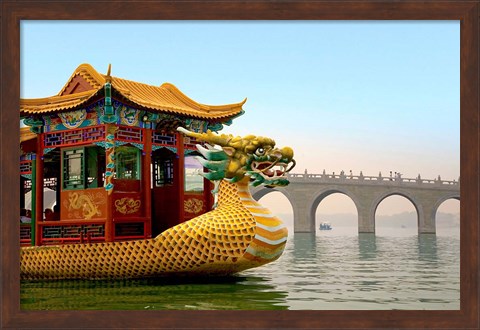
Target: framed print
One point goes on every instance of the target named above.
(131, 203)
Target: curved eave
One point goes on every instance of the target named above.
(168, 99)
(188, 112)
(202, 107)
(55, 103)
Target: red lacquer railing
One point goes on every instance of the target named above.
(71, 231)
(84, 231)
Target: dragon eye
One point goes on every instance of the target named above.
(260, 151)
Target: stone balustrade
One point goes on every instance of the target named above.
(365, 179)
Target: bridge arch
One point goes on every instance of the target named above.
(410, 197)
(444, 199)
(434, 213)
(320, 195)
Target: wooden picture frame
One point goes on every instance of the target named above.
(465, 11)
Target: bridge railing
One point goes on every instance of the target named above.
(347, 178)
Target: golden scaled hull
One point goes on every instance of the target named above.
(238, 235)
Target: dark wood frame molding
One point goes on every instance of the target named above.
(12, 12)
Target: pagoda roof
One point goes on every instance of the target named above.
(165, 98)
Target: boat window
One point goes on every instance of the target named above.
(73, 169)
(83, 167)
(128, 162)
(193, 179)
(163, 171)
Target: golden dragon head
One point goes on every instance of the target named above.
(252, 156)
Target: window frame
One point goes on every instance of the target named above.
(84, 168)
(138, 166)
(66, 185)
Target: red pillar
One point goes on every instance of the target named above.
(180, 177)
(39, 189)
(147, 178)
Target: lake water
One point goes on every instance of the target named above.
(329, 270)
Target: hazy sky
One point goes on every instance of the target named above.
(360, 96)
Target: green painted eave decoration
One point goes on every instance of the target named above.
(34, 123)
(109, 115)
(172, 149)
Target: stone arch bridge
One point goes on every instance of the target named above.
(306, 191)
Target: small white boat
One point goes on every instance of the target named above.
(325, 226)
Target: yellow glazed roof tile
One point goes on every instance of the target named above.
(54, 103)
(26, 134)
(165, 98)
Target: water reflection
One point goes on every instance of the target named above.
(304, 258)
(304, 247)
(367, 246)
(427, 247)
(235, 292)
(329, 271)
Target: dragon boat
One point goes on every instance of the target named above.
(126, 209)
(238, 234)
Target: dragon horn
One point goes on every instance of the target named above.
(209, 137)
